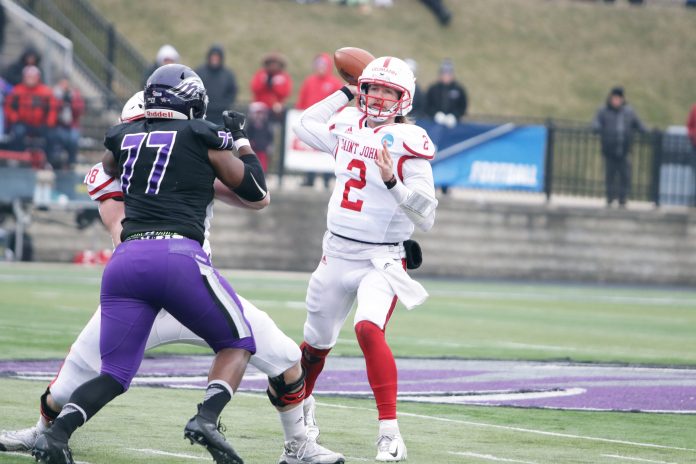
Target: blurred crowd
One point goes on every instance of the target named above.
(39, 117)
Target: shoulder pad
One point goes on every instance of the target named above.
(348, 116)
(100, 185)
(408, 140)
(215, 136)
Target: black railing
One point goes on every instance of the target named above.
(113, 65)
(662, 166)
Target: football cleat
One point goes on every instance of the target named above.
(390, 449)
(18, 440)
(308, 452)
(50, 450)
(310, 419)
(209, 435)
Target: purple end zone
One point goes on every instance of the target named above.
(495, 383)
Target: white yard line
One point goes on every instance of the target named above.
(628, 458)
(166, 453)
(488, 457)
(518, 429)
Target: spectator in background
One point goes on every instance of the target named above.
(220, 82)
(272, 84)
(30, 57)
(167, 54)
(691, 125)
(440, 11)
(69, 108)
(615, 123)
(260, 132)
(30, 110)
(446, 101)
(317, 86)
(5, 89)
(418, 110)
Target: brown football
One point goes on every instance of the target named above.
(350, 62)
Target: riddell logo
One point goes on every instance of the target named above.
(159, 114)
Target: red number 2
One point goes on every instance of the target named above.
(356, 184)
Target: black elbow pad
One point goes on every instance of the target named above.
(253, 186)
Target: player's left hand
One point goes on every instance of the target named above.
(235, 122)
(385, 163)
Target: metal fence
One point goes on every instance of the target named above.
(662, 166)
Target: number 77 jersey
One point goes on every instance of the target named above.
(165, 174)
(361, 206)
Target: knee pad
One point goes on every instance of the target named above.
(286, 394)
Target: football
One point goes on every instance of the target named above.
(350, 62)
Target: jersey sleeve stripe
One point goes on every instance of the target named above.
(106, 196)
(415, 153)
(102, 186)
(400, 166)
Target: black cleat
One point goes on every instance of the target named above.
(50, 450)
(208, 434)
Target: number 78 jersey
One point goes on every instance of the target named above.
(361, 206)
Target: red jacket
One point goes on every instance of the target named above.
(33, 106)
(316, 88)
(77, 107)
(691, 124)
(277, 89)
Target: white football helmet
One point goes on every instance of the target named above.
(134, 108)
(389, 72)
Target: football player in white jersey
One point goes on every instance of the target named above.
(277, 355)
(384, 188)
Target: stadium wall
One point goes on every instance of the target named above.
(473, 240)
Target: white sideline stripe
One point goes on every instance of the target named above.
(25, 455)
(628, 458)
(489, 457)
(477, 140)
(166, 453)
(353, 458)
(517, 429)
(457, 399)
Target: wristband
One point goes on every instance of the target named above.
(347, 93)
(239, 143)
(391, 183)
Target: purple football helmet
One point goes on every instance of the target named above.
(174, 91)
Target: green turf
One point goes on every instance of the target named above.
(43, 307)
(516, 57)
(461, 319)
(152, 419)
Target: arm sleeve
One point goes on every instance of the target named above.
(417, 175)
(596, 122)
(313, 128)
(638, 123)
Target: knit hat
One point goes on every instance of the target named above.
(617, 91)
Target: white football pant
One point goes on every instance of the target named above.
(275, 351)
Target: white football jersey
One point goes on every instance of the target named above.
(102, 186)
(361, 206)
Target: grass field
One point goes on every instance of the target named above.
(43, 307)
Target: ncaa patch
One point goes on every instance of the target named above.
(389, 139)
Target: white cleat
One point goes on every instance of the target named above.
(391, 449)
(310, 419)
(308, 452)
(18, 440)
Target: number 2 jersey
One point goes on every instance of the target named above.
(361, 207)
(165, 174)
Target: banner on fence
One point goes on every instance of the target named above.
(489, 156)
(298, 155)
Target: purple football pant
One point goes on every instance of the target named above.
(146, 275)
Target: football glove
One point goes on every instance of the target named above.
(235, 123)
